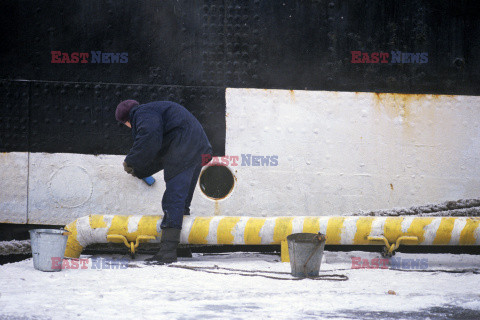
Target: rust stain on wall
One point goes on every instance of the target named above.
(401, 105)
(267, 91)
(292, 95)
(395, 105)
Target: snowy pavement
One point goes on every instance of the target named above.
(161, 292)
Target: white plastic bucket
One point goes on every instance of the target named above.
(48, 248)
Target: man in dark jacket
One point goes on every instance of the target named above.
(166, 137)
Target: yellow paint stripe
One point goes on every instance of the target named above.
(199, 231)
(120, 226)
(444, 232)
(417, 228)
(392, 229)
(284, 254)
(364, 227)
(334, 230)
(311, 225)
(96, 221)
(283, 228)
(225, 230)
(73, 249)
(148, 226)
(467, 236)
(252, 230)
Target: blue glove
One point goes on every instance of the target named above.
(149, 180)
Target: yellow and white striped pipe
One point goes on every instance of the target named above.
(273, 230)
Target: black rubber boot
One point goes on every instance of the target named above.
(168, 247)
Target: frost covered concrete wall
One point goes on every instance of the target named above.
(336, 153)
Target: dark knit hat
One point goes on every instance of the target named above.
(122, 113)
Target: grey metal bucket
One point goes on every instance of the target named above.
(48, 245)
(306, 252)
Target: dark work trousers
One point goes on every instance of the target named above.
(178, 196)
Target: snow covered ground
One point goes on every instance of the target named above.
(161, 292)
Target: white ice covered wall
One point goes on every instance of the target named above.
(338, 152)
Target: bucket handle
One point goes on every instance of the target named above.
(321, 238)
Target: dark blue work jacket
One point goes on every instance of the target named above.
(166, 136)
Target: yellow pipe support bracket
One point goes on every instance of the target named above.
(392, 247)
(117, 238)
(144, 239)
(404, 238)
